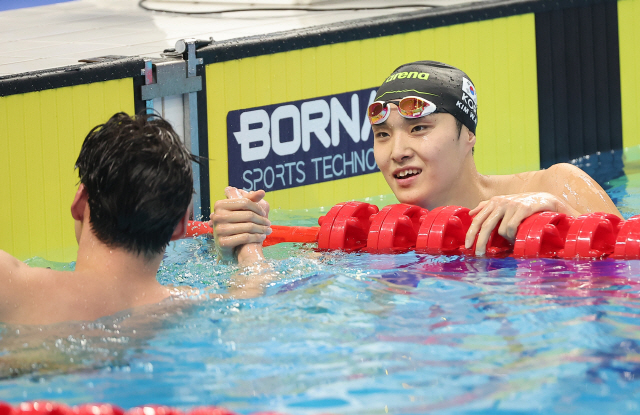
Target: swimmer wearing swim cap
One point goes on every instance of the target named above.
(436, 86)
(424, 120)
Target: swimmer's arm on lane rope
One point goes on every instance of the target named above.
(562, 188)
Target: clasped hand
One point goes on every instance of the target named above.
(240, 223)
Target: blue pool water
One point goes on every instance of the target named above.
(21, 4)
(361, 334)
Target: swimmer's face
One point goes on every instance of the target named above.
(422, 159)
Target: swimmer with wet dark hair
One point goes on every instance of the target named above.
(136, 185)
(424, 120)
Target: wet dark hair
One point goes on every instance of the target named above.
(139, 181)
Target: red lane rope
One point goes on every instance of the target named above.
(353, 226)
(54, 408)
(279, 234)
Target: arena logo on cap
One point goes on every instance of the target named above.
(298, 143)
(402, 75)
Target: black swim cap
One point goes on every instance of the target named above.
(446, 86)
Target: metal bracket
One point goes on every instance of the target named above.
(171, 78)
(174, 76)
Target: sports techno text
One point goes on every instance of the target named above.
(299, 143)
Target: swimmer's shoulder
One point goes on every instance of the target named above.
(547, 180)
(575, 187)
(563, 170)
(15, 277)
(17, 271)
(561, 175)
(11, 267)
(20, 281)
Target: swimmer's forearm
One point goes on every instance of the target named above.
(250, 254)
(252, 280)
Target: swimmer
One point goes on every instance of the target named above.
(136, 185)
(424, 121)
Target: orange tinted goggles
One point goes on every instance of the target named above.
(408, 107)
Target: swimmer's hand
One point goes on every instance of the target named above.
(562, 188)
(511, 210)
(240, 223)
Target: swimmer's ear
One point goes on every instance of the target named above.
(469, 136)
(79, 203)
(181, 228)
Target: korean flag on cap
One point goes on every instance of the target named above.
(470, 90)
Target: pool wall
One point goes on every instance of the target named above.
(41, 133)
(556, 80)
(629, 38)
